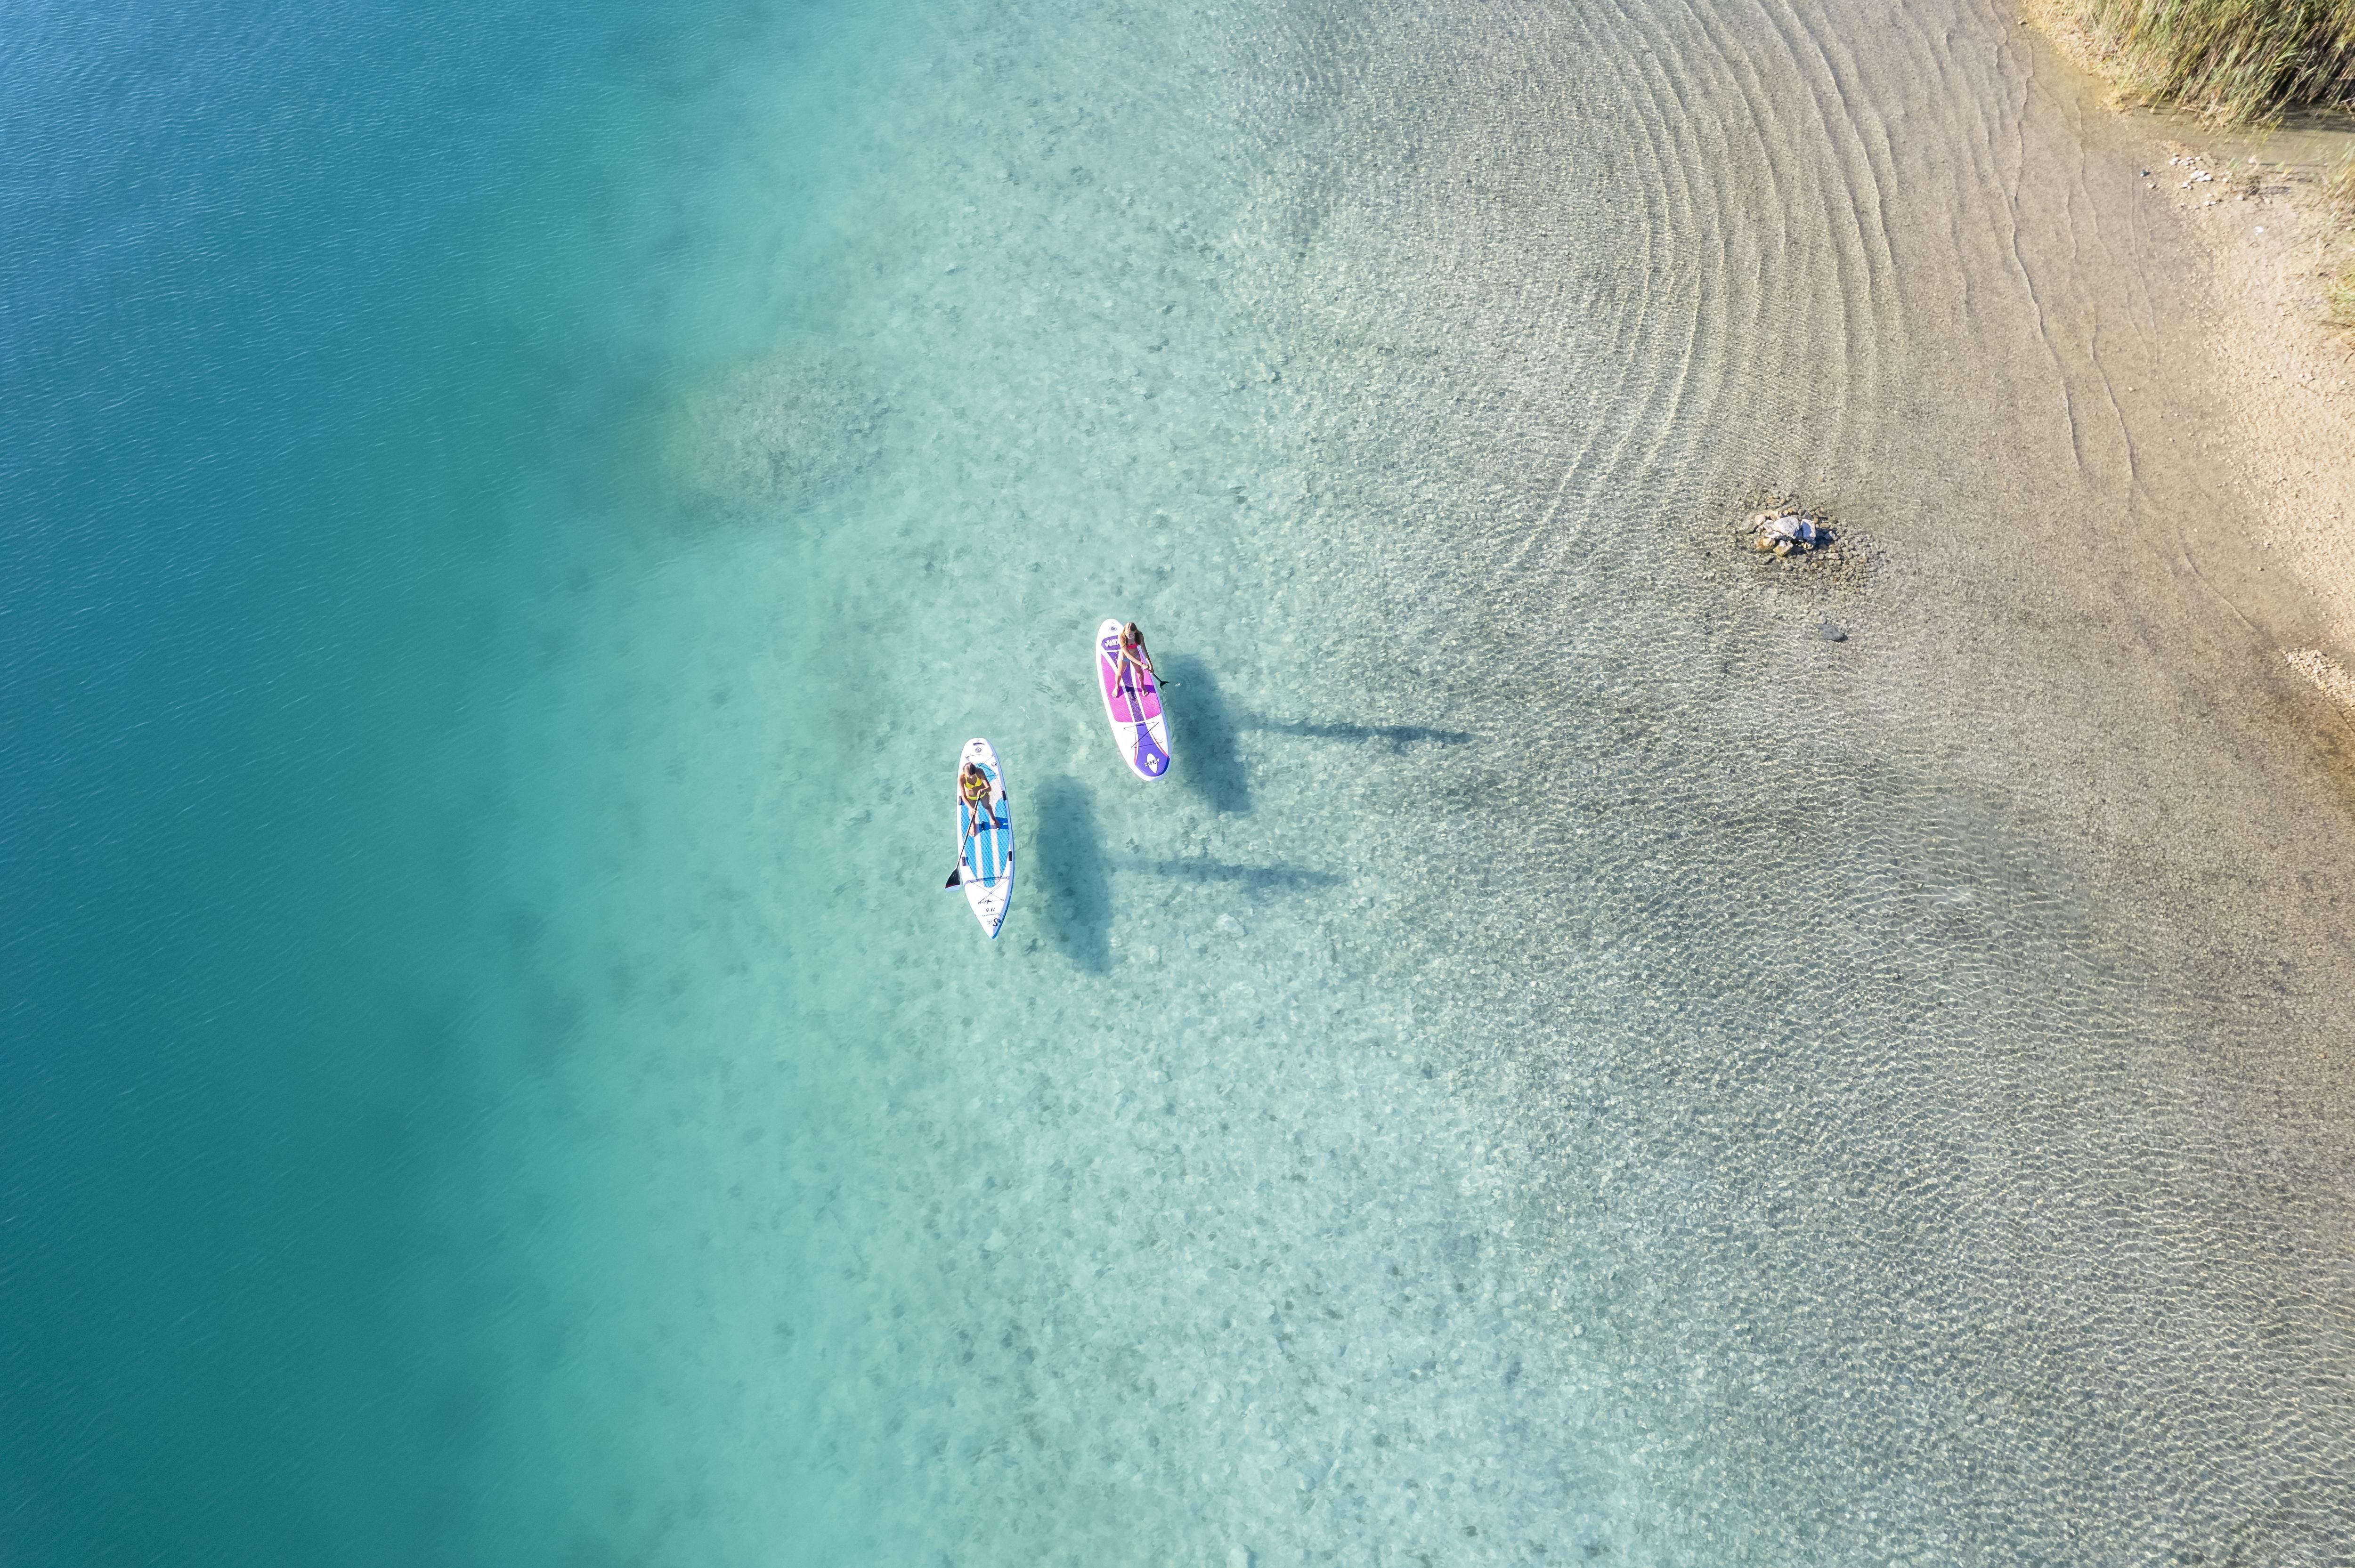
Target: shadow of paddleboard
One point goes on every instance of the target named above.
(1074, 887)
(1203, 730)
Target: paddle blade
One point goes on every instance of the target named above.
(955, 878)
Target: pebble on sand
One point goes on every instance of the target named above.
(1788, 531)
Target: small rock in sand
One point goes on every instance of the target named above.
(1788, 533)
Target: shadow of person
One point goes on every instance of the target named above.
(1202, 731)
(1073, 882)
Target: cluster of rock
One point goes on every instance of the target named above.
(2199, 176)
(1789, 532)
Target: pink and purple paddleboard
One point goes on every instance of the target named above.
(1133, 703)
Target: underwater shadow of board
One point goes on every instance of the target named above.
(1205, 737)
(1074, 888)
(1253, 879)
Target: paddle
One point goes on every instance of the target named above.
(957, 876)
(1161, 682)
(973, 826)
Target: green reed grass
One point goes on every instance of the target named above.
(2230, 61)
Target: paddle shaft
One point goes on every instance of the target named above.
(972, 831)
(1128, 671)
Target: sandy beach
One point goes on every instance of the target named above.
(2285, 369)
(2288, 375)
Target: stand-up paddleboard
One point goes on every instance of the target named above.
(1133, 702)
(984, 858)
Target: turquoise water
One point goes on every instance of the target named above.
(514, 516)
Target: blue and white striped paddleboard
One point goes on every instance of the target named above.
(984, 840)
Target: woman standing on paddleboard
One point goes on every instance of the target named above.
(1131, 688)
(1133, 656)
(974, 785)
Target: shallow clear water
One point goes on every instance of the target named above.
(1577, 1065)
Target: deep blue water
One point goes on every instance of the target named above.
(295, 312)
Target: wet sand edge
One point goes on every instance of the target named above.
(2288, 375)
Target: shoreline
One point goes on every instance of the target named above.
(2285, 368)
(2287, 374)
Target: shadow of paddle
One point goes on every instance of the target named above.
(1202, 729)
(1253, 879)
(1397, 737)
(1073, 882)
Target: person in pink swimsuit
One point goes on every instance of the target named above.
(1136, 662)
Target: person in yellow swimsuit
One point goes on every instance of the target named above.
(973, 788)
